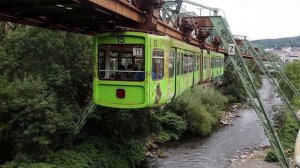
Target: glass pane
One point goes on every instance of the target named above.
(171, 64)
(185, 64)
(177, 63)
(121, 62)
(157, 64)
(196, 63)
(191, 69)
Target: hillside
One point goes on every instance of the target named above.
(280, 42)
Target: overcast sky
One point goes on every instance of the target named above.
(260, 19)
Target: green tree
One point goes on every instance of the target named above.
(233, 86)
(45, 80)
(292, 71)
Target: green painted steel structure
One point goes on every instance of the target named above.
(258, 58)
(273, 60)
(222, 29)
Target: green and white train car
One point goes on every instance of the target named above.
(138, 70)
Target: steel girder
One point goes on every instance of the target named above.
(221, 28)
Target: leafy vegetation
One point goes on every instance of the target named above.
(44, 79)
(288, 132)
(288, 125)
(233, 86)
(44, 85)
(172, 126)
(200, 108)
(93, 152)
(292, 71)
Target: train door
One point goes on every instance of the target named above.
(201, 66)
(178, 71)
(208, 66)
(205, 65)
(184, 79)
(159, 72)
(212, 65)
(196, 68)
(191, 63)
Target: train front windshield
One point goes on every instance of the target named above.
(124, 62)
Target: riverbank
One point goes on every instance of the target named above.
(253, 159)
(216, 151)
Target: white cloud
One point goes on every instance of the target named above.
(259, 19)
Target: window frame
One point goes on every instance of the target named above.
(172, 63)
(163, 64)
(185, 64)
(191, 62)
(102, 68)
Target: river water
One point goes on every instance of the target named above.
(224, 144)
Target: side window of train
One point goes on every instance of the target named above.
(191, 68)
(204, 62)
(178, 63)
(157, 64)
(171, 63)
(196, 60)
(185, 64)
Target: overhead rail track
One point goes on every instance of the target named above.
(91, 17)
(95, 16)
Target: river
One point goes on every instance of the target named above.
(216, 150)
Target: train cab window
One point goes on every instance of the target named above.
(121, 62)
(191, 68)
(157, 64)
(185, 68)
(171, 63)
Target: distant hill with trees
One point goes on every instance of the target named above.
(280, 42)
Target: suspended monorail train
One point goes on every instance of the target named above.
(138, 70)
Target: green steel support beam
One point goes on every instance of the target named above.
(281, 73)
(88, 110)
(274, 57)
(257, 56)
(171, 10)
(220, 26)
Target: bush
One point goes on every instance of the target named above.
(292, 72)
(29, 114)
(172, 126)
(199, 108)
(92, 153)
(271, 157)
(44, 82)
(233, 86)
(288, 132)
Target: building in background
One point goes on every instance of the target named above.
(287, 54)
